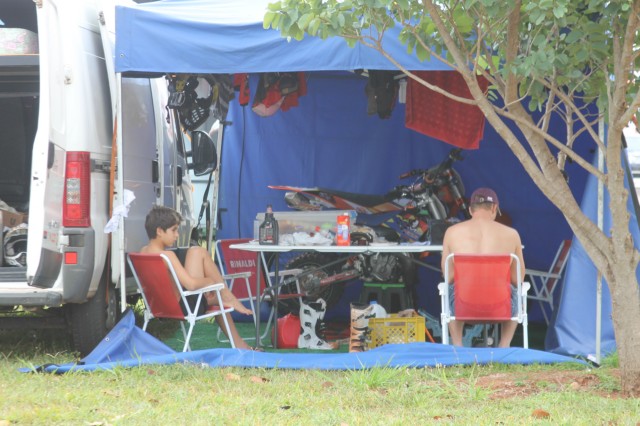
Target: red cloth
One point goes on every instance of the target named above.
(291, 100)
(241, 84)
(437, 116)
(278, 92)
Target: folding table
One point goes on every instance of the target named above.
(259, 249)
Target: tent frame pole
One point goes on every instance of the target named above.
(600, 219)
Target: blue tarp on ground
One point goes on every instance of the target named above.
(128, 346)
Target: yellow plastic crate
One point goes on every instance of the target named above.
(395, 329)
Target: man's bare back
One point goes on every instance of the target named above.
(483, 235)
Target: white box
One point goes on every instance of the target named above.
(307, 221)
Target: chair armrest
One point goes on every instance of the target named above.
(212, 287)
(441, 288)
(526, 286)
(538, 273)
(237, 275)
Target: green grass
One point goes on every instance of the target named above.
(192, 394)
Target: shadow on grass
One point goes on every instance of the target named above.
(24, 343)
(27, 342)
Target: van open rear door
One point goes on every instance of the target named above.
(144, 155)
(107, 34)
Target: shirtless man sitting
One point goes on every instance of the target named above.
(198, 269)
(483, 235)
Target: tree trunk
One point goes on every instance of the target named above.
(620, 269)
(625, 309)
(615, 256)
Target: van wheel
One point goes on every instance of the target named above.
(92, 320)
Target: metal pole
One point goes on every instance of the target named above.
(119, 184)
(600, 220)
(213, 226)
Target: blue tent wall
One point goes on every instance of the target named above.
(330, 141)
(573, 328)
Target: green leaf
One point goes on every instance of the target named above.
(268, 19)
(297, 33)
(346, 5)
(334, 21)
(304, 20)
(539, 40)
(421, 52)
(313, 26)
(574, 35)
(293, 14)
(562, 59)
(402, 4)
(464, 22)
(275, 6)
(559, 11)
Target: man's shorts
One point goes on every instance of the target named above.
(514, 300)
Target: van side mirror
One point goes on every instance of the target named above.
(203, 153)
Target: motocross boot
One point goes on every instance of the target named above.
(360, 314)
(310, 314)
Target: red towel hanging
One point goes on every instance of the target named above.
(440, 117)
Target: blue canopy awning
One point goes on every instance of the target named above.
(227, 36)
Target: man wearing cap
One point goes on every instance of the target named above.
(483, 235)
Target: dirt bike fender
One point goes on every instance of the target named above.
(328, 199)
(311, 198)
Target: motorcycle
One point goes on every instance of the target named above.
(407, 213)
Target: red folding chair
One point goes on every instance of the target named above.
(164, 297)
(544, 283)
(231, 262)
(483, 292)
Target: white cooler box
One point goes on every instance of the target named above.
(290, 222)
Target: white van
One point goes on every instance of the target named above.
(58, 169)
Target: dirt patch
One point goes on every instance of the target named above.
(510, 385)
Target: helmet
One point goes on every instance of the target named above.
(195, 110)
(15, 246)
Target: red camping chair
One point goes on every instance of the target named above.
(545, 282)
(483, 291)
(164, 297)
(231, 261)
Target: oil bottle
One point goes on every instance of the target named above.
(268, 232)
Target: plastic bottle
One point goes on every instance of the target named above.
(377, 310)
(343, 237)
(268, 233)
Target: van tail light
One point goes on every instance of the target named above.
(77, 190)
